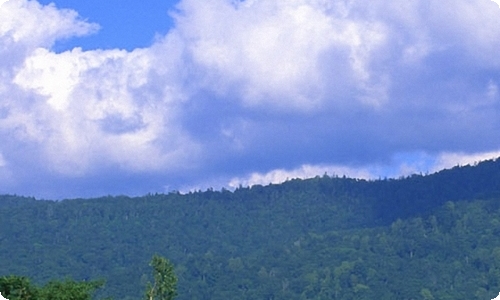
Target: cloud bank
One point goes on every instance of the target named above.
(244, 92)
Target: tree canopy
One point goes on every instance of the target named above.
(418, 237)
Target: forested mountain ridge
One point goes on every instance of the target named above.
(322, 238)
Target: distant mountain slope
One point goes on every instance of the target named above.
(258, 242)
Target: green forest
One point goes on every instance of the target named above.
(164, 286)
(431, 236)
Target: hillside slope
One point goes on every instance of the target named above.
(321, 238)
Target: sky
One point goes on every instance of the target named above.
(128, 98)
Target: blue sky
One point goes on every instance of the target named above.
(118, 97)
(123, 24)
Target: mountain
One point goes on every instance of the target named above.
(418, 237)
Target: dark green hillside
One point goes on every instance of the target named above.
(421, 237)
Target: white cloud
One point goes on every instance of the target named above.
(449, 160)
(303, 172)
(92, 108)
(273, 51)
(31, 24)
(2, 161)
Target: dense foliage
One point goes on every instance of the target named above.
(420, 237)
(15, 287)
(21, 288)
(164, 286)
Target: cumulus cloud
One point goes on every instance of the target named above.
(31, 23)
(249, 92)
(27, 25)
(96, 107)
(273, 53)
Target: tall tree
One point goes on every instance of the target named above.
(165, 281)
